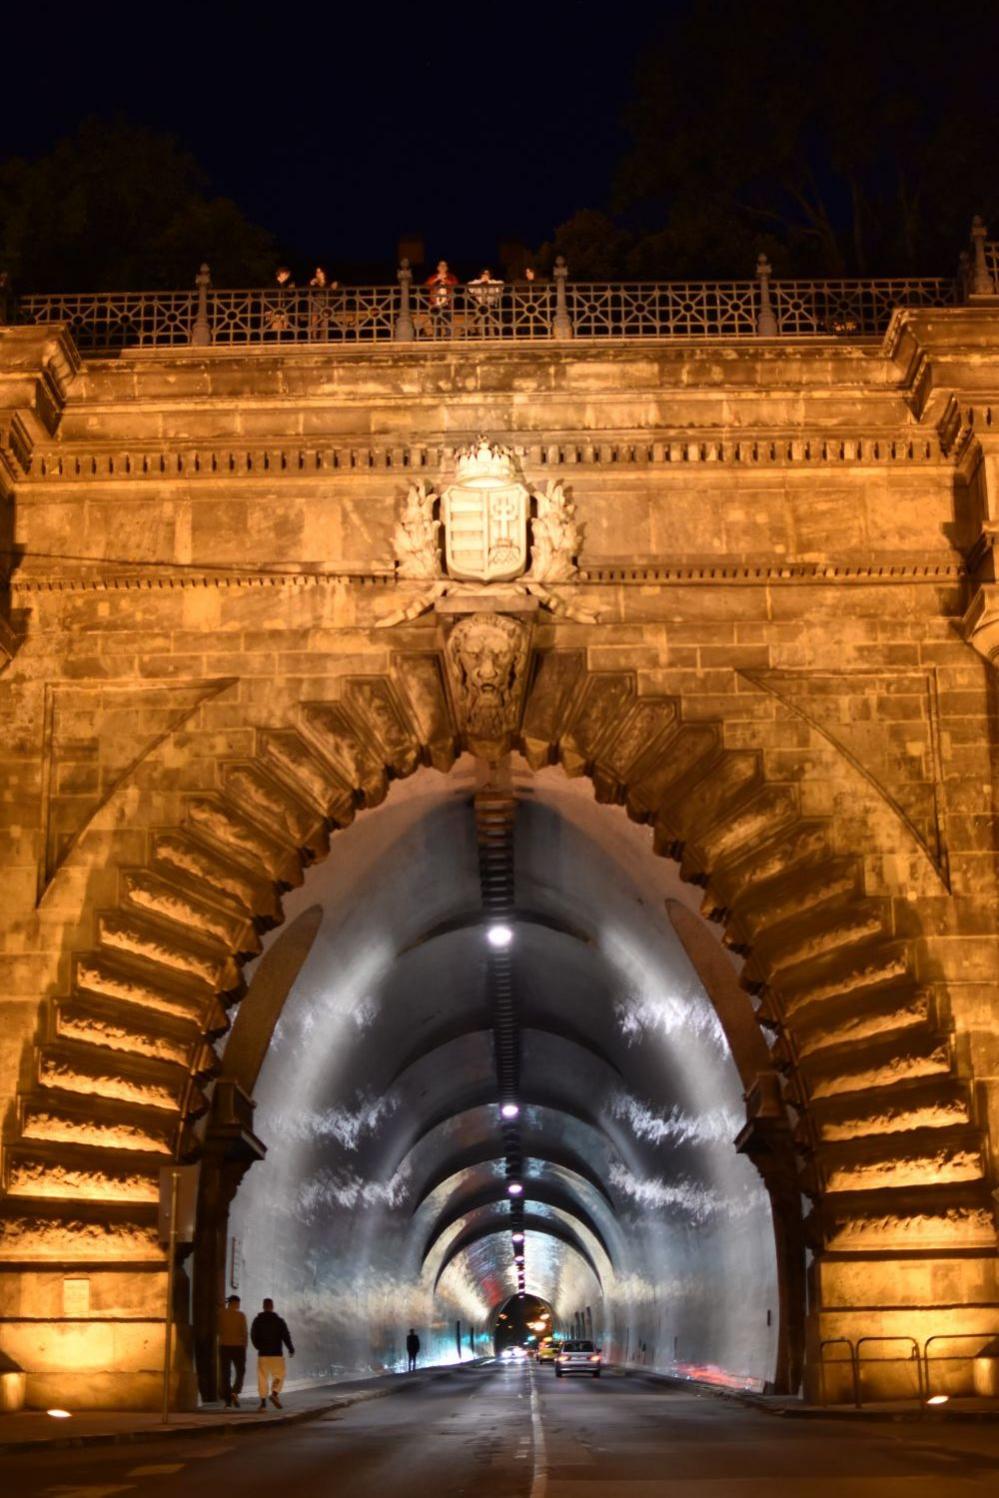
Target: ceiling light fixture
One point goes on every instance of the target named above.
(510, 1110)
(499, 937)
(515, 1188)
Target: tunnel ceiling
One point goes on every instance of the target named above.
(402, 1031)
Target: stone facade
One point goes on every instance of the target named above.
(787, 552)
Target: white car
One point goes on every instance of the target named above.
(578, 1357)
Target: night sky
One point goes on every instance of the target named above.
(340, 130)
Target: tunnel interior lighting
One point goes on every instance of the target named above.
(518, 1237)
(499, 937)
(515, 1188)
(510, 1110)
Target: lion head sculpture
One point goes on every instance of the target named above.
(487, 658)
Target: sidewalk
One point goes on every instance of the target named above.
(28, 1430)
(960, 1407)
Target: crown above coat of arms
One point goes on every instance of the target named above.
(484, 464)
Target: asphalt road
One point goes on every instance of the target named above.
(511, 1432)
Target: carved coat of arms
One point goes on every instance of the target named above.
(485, 517)
(490, 535)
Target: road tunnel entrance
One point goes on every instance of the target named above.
(492, 1070)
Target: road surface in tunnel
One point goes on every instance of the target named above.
(512, 1431)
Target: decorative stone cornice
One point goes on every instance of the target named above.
(78, 463)
(638, 573)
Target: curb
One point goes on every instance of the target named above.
(940, 1415)
(230, 1425)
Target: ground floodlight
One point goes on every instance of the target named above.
(59, 1414)
(499, 937)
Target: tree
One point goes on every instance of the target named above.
(855, 139)
(116, 207)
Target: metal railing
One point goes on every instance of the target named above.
(982, 1338)
(531, 311)
(916, 1358)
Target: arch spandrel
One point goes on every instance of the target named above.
(849, 1026)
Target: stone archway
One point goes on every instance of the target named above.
(865, 1109)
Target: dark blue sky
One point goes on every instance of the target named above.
(338, 130)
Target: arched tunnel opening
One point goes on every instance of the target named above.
(487, 1062)
(522, 1323)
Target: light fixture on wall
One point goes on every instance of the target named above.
(499, 937)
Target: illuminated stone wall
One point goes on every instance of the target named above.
(789, 548)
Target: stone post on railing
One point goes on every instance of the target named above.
(981, 281)
(766, 318)
(201, 331)
(562, 325)
(404, 332)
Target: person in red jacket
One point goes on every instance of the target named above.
(440, 289)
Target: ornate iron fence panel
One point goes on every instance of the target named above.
(105, 322)
(992, 263)
(662, 309)
(110, 322)
(350, 314)
(487, 309)
(852, 308)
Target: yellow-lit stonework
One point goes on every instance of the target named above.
(787, 550)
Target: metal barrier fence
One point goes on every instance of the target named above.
(918, 1359)
(109, 322)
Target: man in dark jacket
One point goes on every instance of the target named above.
(412, 1349)
(270, 1336)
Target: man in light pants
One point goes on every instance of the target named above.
(270, 1336)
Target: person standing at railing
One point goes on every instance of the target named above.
(440, 288)
(279, 319)
(485, 291)
(319, 307)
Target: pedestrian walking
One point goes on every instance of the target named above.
(232, 1351)
(412, 1349)
(270, 1336)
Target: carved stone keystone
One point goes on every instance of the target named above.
(487, 657)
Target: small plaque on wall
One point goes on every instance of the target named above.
(76, 1297)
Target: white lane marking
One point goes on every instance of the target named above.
(163, 1470)
(539, 1486)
